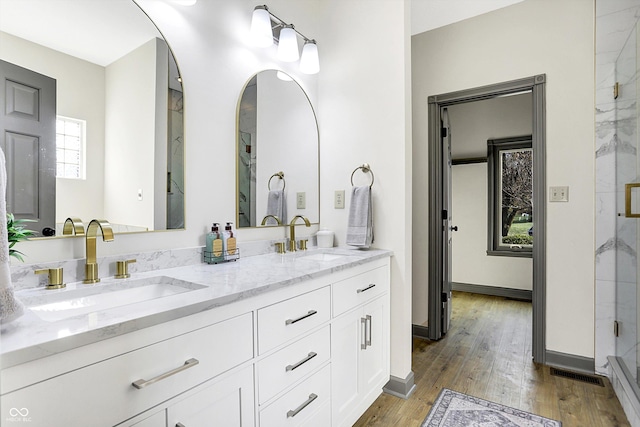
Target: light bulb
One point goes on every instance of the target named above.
(288, 45)
(309, 62)
(261, 32)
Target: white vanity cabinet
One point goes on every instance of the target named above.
(115, 389)
(313, 353)
(359, 343)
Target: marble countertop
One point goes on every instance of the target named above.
(30, 337)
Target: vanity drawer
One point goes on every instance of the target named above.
(306, 404)
(278, 323)
(281, 369)
(356, 290)
(103, 393)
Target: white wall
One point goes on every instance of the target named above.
(80, 95)
(364, 116)
(130, 137)
(471, 264)
(472, 124)
(529, 38)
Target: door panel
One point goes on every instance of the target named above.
(446, 222)
(28, 139)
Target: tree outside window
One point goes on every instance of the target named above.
(510, 166)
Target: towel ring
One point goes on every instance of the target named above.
(279, 175)
(365, 168)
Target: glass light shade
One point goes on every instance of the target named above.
(288, 45)
(261, 32)
(185, 2)
(309, 62)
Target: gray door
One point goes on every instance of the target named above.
(447, 229)
(28, 139)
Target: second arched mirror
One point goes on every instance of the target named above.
(277, 152)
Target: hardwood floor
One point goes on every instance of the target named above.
(487, 353)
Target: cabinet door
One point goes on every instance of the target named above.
(159, 419)
(346, 334)
(228, 402)
(373, 362)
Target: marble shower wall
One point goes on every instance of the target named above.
(615, 145)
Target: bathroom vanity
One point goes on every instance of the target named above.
(270, 340)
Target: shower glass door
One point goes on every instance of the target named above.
(628, 205)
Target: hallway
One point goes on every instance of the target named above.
(487, 353)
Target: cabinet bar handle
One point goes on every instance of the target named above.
(302, 362)
(366, 289)
(368, 340)
(295, 412)
(143, 383)
(363, 323)
(292, 321)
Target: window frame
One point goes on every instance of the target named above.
(494, 148)
(83, 146)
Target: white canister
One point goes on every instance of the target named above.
(325, 238)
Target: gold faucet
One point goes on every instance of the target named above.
(264, 220)
(292, 231)
(72, 226)
(91, 268)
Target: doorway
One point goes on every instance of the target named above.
(439, 214)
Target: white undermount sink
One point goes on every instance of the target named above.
(84, 299)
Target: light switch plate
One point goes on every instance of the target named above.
(559, 194)
(301, 200)
(339, 199)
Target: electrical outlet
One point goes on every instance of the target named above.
(339, 199)
(301, 200)
(559, 194)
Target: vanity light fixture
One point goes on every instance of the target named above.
(309, 62)
(261, 30)
(266, 28)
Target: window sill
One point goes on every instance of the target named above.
(507, 252)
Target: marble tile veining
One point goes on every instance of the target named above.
(30, 337)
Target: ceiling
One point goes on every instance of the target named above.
(429, 14)
(100, 18)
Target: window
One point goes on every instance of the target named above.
(70, 142)
(510, 167)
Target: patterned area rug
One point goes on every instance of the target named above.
(453, 409)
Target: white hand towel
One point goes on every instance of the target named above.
(360, 225)
(276, 206)
(10, 307)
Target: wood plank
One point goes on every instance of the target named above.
(487, 354)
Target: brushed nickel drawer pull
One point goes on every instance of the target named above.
(143, 383)
(295, 412)
(179, 425)
(366, 289)
(292, 321)
(363, 323)
(302, 362)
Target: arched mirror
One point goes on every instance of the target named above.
(109, 140)
(277, 152)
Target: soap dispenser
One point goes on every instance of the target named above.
(229, 243)
(214, 245)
